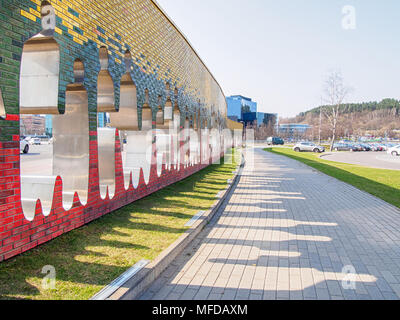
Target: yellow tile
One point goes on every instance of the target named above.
(67, 24)
(34, 12)
(78, 41)
(58, 30)
(28, 15)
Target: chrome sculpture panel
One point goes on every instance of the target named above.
(176, 133)
(39, 77)
(105, 135)
(138, 154)
(127, 116)
(106, 157)
(71, 141)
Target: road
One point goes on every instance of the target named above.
(38, 161)
(380, 160)
(288, 231)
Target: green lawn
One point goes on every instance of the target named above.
(88, 258)
(384, 184)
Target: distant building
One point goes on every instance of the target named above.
(260, 118)
(234, 118)
(32, 125)
(243, 109)
(102, 119)
(237, 105)
(49, 125)
(293, 129)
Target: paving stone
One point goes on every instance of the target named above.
(229, 294)
(286, 232)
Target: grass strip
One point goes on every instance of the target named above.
(382, 183)
(88, 258)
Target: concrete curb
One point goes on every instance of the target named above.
(142, 280)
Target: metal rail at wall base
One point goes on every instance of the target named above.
(135, 281)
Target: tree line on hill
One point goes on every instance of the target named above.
(386, 104)
(378, 119)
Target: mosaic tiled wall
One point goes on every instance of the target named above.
(160, 55)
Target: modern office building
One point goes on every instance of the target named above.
(32, 125)
(293, 129)
(260, 118)
(237, 105)
(102, 119)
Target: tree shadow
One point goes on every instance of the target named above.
(82, 256)
(382, 191)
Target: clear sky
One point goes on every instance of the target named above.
(278, 52)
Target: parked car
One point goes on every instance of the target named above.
(344, 147)
(275, 141)
(359, 147)
(36, 141)
(366, 146)
(308, 146)
(378, 147)
(394, 151)
(24, 146)
(384, 147)
(374, 147)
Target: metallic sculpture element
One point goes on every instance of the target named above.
(147, 114)
(2, 107)
(126, 120)
(215, 144)
(34, 188)
(205, 143)
(127, 117)
(168, 112)
(227, 138)
(213, 118)
(106, 149)
(165, 132)
(71, 141)
(161, 122)
(175, 128)
(163, 139)
(39, 81)
(39, 77)
(40, 68)
(145, 139)
(105, 85)
(163, 147)
(70, 154)
(105, 136)
(193, 146)
(196, 132)
(185, 139)
(137, 152)
(138, 155)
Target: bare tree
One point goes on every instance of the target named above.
(335, 94)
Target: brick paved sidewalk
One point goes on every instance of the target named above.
(287, 232)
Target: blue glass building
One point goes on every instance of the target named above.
(102, 119)
(237, 105)
(293, 129)
(260, 118)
